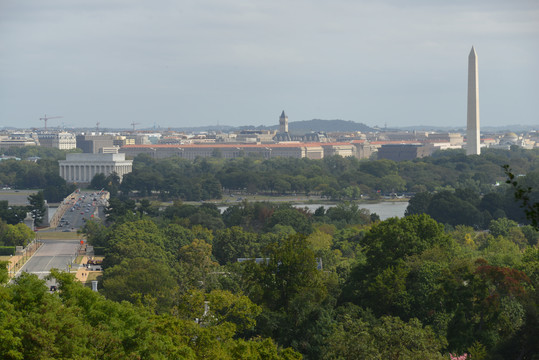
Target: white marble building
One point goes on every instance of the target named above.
(81, 168)
(60, 140)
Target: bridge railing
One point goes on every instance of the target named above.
(66, 204)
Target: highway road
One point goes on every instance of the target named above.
(58, 254)
(86, 207)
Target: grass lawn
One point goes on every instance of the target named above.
(95, 275)
(58, 235)
(5, 258)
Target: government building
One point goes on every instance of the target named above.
(81, 168)
(266, 151)
(60, 140)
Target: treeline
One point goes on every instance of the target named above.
(15, 235)
(41, 174)
(15, 214)
(330, 285)
(334, 177)
(465, 206)
(77, 323)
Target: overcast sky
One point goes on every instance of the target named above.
(174, 63)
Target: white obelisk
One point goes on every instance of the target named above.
(473, 140)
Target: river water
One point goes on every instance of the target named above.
(384, 209)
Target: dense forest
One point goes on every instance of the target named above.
(317, 285)
(335, 177)
(335, 283)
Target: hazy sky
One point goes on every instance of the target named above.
(177, 63)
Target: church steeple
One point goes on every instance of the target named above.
(283, 123)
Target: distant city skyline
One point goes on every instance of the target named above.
(239, 63)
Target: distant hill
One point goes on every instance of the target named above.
(327, 126)
(316, 125)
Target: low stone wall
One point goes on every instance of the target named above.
(16, 262)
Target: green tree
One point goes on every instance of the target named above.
(37, 206)
(386, 338)
(99, 182)
(290, 271)
(112, 184)
(348, 213)
(293, 217)
(232, 243)
(138, 239)
(501, 227)
(195, 265)
(77, 323)
(141, 280)
(17, 235)
(392, 183)
(12, 214)
(379, 168)
(176, 236)
(4, 275)
(118, 208)
(447, 208)
(235, 309)
(35, 325)
(95, 232)
(390, 241)
(526, 194)
(418, 204)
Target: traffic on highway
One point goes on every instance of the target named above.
(61, 252)
(83, 208)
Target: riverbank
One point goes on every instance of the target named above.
(294, 200)
(384, 208)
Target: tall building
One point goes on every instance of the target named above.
(283, 123)
(60, 140)
(91, 144)
(473, 140)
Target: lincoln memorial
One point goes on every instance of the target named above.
(82, 168)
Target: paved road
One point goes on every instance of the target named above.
(58, 254)
(16, 197)
(88, 205)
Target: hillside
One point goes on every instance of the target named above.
(316, 125)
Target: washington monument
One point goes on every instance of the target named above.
(473, 140)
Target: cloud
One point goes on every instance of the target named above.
(358, 60)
